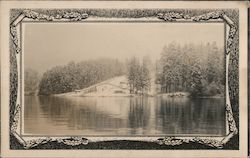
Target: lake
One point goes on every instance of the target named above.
(124, 116)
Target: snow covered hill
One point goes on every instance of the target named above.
(117, 86)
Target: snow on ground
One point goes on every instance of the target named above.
(118, 87)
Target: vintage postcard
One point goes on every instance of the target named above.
(123, 79)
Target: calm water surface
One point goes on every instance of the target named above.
(113, 116)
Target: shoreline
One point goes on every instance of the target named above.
(164, 95)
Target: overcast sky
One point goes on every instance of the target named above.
(47, 45)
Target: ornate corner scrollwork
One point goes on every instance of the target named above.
(72, 16)
(172, 141)
(13, 32)
(209, 16)
(73, 141)
(230, 39)
(16, 118)
(210, 142)
(172, 16)
(34, 142)
(231, 121)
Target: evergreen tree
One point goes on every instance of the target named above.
(138, 76)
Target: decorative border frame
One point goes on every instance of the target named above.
(229, 16)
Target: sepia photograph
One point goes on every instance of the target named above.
(138, 79)
(132, 79)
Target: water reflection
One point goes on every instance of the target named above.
(123, 116)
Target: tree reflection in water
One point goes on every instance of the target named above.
(191, 116)
(123, 116)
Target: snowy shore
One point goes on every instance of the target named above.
(74, 94)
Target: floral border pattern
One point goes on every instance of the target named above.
(230, 17)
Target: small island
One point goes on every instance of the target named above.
(182, 71)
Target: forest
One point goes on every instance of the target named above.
(198, 69)
(72, 76)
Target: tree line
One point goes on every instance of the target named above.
(197, 69)
(73, 76)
